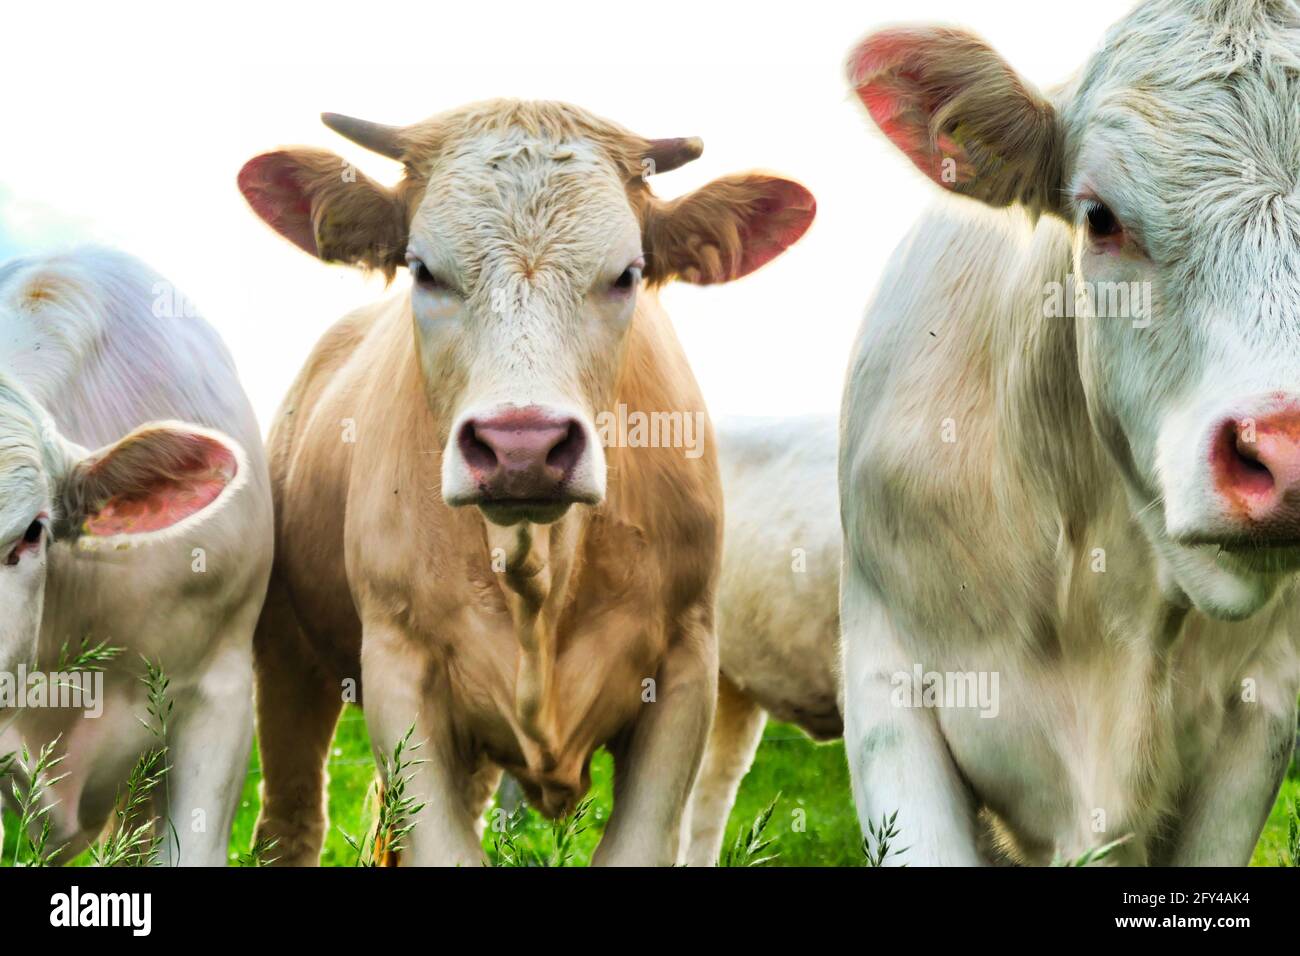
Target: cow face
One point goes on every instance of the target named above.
(1174, 160)
(527, 260)
(26, 505)
(156, 482)
(530, 233)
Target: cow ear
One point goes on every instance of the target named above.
(961, 114)
(726, 229)
(327, 207)
(155, 482)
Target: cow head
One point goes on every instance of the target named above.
(530, 231)
(154, 483)
(1174, 160)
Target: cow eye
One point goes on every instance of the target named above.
(31, 539)
(629, 277)
(1102, 223)
(423, 277)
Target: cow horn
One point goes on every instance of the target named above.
(384, 140)
(667, 154)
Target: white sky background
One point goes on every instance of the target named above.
(127, 124)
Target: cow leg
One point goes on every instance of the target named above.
(404, 692)
(656, 761)
(481, 787)
(9, 744)
(737, 728)
(1231, 799)
(898, 759)
(208, 743)
(298, 708)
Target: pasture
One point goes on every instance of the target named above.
(812, 823)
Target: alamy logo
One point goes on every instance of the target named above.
(74, 690)
(74, 908)
(948, 689)
(623, 429)
(1081, 298)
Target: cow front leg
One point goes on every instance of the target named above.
(404, 689)
(10, 743)
(737, 728)
(298, 708)
(1231, 798)
(898, 759)
(656, 761)
(208, 743)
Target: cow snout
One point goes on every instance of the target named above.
(1255, 463)
(524, 454)
(526, 463)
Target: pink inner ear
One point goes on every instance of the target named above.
(193, 481)
(784, 213)
(896, 96)
(270, 184)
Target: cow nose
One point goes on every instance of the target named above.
(1256, 467)
(524, 454)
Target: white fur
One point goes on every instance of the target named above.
(778, 626)
(80, 334)
(519, 339)
(1135, 700)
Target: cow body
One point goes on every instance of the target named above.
(1031, 501)
(1111, 699)
(454, 537)
(778, 620)
(84, 335)
(640, 590)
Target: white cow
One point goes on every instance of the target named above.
(158, 543)
(778, 613)
(1085, 521)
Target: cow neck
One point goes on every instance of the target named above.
(539, 562)
(1040, 399)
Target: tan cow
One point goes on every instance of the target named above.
(572, 606)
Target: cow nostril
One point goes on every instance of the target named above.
(565, 453)
(477, 453)
(1248, 453)
(1239, 464)
(1250, 462)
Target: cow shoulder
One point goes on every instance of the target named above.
(928, 441)
(325, 366)
(672, 499)
(312, 446)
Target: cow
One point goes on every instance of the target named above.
(453, 535)
(1071, 524)
(778, 605)
(122, 526)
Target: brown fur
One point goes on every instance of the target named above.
(644, 571)
(721, 232)
(529, 666)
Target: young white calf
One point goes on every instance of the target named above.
(157, 543)
(1070, 475)
(778, 610)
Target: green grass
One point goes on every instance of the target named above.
(812, 823)
(812, 779)
(1274, 838)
